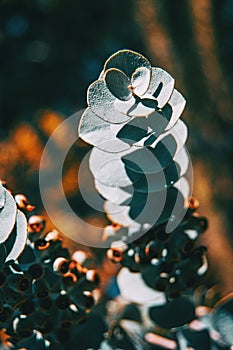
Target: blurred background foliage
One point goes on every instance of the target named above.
(51, 50)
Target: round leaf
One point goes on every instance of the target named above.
(7, 216)
(174, 108)
(101, 102)
(136, 107)
(161, 85)
(141, 80)
(100, 133)
(2, 196)
(21, 236)
(118, 84)
(127, 61)
(134, 289)
(160, 154)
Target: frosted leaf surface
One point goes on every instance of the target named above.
(100, 133)
(115, 195)
(114, 138)
(2, 196)
(99, 159)
(21, 236)
(136, 107)
(7, 216)
(101, 102)
(174, 108)
(114, 174)
(118, 84)
(127, 61)
(161, 85)
(141, 80)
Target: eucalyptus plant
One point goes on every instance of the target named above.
(142, 169)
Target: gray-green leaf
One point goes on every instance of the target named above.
(118, 84)
(161, 85)
(101, 102)
(127, 61)
(7, 216)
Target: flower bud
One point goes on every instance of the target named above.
(41, 244)
(154, 249)
(116, 252)
(61, 265)
(53, 236)
(36, 224)
(23, 203)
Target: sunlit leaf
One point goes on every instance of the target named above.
(100, 133)
(161, 85)
(157, 208)
(109, 169)
(134, 289)
(136, 107)
(137, 131)
(115, 195)
(118, 84)
(167, 177)
(7, 216)
(184, 187)
(101, 102)
(158, 156)
(174, 108)
(150, 160)
(2, 196)
(119, 214)
(21, 236)
(127, 61)
(114, 174)
(158, 181)
(141, 80)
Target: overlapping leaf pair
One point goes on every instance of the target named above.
(139, 162)
(13, 227)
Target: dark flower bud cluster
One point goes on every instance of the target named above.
(46, 292)
(168, 262)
